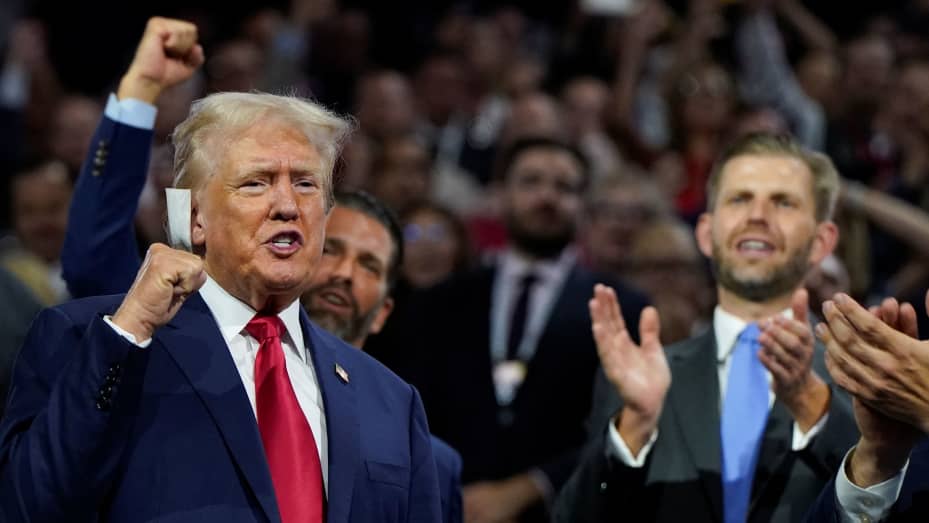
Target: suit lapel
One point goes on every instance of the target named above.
(196, 345)
(775, 448)
(342, 424)
(695, 371)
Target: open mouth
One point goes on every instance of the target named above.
(285, 242)
(755, 247)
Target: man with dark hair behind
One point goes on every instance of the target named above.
(507, 356)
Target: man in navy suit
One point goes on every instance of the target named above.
(350, 292)
(205, 393)
(877, 357)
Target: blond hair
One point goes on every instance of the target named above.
(823, 172)
(215, 119)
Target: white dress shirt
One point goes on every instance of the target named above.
(864, 505)
(231, 317)
(511, 269)
(727, 328)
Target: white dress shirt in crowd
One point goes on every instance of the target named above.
(727, 328)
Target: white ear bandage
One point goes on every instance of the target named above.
(178, 201)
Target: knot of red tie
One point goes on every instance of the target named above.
(263, 327)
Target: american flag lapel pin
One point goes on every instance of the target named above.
(341, 373)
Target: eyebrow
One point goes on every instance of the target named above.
(271, 166)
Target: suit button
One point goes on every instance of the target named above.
(603, 486)
(111, 379)
(103, 405)
(106, 392)
(96, 172)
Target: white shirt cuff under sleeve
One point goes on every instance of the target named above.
(130, 111)
(858, 504)
(802, 440)
(130, 337)
(617, 448)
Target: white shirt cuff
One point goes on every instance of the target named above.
(617, 448)
(801, 440)
(130, 111)
(858, 504)
(130, 337)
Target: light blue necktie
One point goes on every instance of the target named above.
(745, 413)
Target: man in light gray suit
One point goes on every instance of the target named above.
(737, 424)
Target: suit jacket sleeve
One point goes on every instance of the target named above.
(100, 255)
(600, 488)
(68, 419)
(424, 484)
(825, 510)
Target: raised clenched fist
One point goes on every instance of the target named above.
(167, 277)
(168, 54)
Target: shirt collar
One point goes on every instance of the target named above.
(515, 266)
(727, 327)
(232, 315)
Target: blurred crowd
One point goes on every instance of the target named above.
(650, 91)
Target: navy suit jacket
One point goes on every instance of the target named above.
(100, 430)
(100, 253)
(912, 505)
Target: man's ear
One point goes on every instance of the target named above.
(824, 241)
(386, 308)
(704, 234)
(197, 226)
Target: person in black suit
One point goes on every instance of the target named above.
(877, 357)
(737, 424)
(509, 359)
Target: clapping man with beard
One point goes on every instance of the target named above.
(737, 424)
(507, 353)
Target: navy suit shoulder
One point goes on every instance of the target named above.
(448, 466)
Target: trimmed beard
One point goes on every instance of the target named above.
(536, 245)
(780, 281)
(347, 328)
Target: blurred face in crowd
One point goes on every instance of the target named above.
(74, 123)
(819, 74)
(542, 200)
(762, 235)
(615, 216)
(909, 103)
(261, 216)
(348, 296)
(40, 209)
(431, 248)
(584, 101)
(665, 263)
(402, 176)
(385, 105)
(441, 89)
(868, 67)
(706, 97)
(236, 65)
(533, 114)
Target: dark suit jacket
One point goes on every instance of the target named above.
(100, 430)
(100, 255)
(682, 472)
(912, 505)
(544, 425)
(448, 464)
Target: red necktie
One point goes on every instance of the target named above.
(287, 437)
